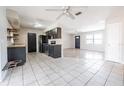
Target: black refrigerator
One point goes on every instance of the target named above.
(43, 43)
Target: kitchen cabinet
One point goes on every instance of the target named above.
(17, 53)
(43, 39)
(54, 33)
(58, 33)
(54, 51)
(45, 48)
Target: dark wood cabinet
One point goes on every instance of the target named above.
(45, 48)
(17, 53)
(43, 39)
(54, 33)
(58, 35)
(54, 51)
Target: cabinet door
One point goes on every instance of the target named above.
(113, 42)
(51, 50)
(57, 51)
(58, 35)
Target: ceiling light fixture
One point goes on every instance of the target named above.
(38, 25)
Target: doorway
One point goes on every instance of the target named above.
(32, 42)
(77, 42)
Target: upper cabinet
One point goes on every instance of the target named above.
(54, 33)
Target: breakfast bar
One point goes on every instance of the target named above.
(17, 52)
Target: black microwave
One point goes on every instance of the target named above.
(53, 42)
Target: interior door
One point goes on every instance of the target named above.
(32, 42)
(77, 41)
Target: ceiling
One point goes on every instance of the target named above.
(92, 19)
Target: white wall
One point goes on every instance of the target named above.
(114, 49)
(23, 36)
(3, 41)
(68, 40)
(83, 44)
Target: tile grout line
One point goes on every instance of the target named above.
(109, 75)
(83, 72)
(22, 76)
(40, 67)
(80, 73)
(58, 74)
(63, 68)
(56, 65)
(75, 77)
(47, 75)
(93, 75)
(32, 70)
(10, 76)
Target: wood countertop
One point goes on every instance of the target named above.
(18, 46)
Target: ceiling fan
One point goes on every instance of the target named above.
(66, 12)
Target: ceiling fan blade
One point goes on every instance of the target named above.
(70, 15)
(60, 16)
(54, 9)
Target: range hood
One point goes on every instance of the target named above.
(13, 18)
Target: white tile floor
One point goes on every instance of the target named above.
(77, 68)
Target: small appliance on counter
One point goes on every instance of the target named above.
(53, 42)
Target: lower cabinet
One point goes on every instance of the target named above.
(17, 53)
(54, 51)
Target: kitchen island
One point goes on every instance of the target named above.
(54, 50)
(17, 52)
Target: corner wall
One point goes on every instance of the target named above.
(3, 41)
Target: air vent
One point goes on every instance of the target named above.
(78, 13)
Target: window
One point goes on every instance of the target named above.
(98, 38)
(95, 39)
(89, 39)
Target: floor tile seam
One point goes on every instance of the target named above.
(32, 70)
(44, 72)
(81, 73)
(10, 76)
(94, 75)
(109, 75)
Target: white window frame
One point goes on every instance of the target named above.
(100, 39)
(89, 39)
